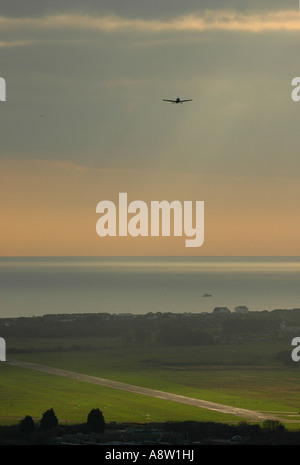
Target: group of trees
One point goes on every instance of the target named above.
(248, 326)
(95, 422)
(159, 328)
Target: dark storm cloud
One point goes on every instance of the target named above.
(135, 8)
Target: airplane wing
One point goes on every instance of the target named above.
(189, 100)
(166, 100)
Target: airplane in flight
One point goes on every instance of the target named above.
(178, 100)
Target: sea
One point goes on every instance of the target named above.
(63, 285)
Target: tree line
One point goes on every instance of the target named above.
(95, 422)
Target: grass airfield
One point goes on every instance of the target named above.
(245, 376)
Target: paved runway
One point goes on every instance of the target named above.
(240, 412)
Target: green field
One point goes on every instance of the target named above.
(25, 392)
(241, 375)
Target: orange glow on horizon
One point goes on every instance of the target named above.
(50, 210)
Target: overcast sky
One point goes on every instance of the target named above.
(137, 8)
(84, 120)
